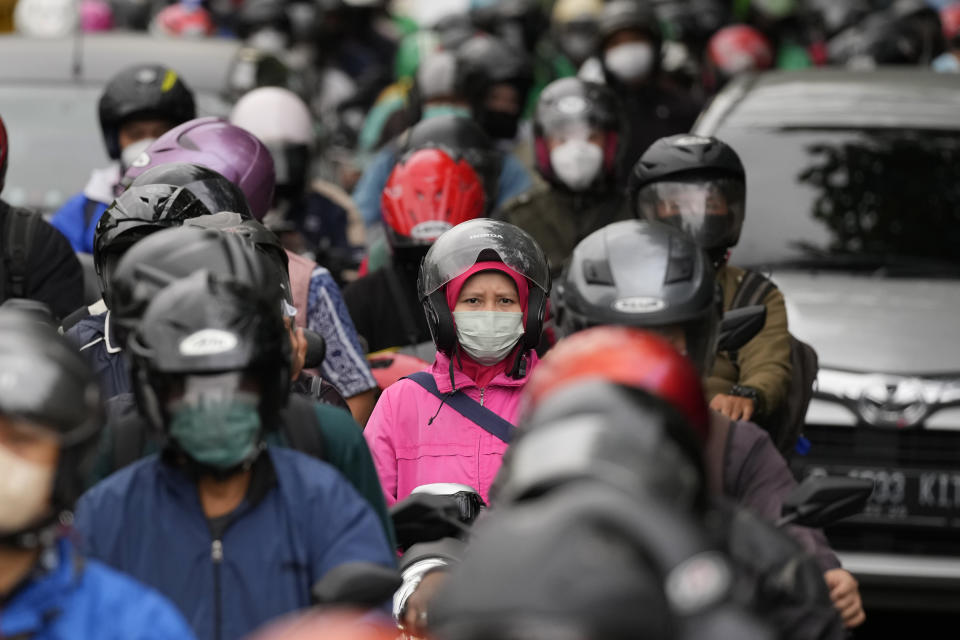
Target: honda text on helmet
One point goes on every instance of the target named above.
(216, 144)
(577, 128)
(643, 275)
(696, 184)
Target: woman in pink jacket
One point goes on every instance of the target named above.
(484, 286)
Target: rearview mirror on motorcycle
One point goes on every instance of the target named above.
(358, 584)
(821, 501)
(739, 326)
(435, 511)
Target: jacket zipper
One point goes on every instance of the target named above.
(482, 389)
(216, 555)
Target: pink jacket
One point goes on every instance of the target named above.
(409, 452)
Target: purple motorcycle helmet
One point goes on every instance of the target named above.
(216, 144)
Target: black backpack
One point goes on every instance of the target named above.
(18, 232)
(786, 424)
(131, 438)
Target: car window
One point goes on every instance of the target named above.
(829, 194)
(55, 140)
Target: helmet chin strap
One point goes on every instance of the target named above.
(40, 535)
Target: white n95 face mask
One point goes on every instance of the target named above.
(25, 491)
(577, 163)
(488, 336)
(630, 61)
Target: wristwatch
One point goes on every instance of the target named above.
(748, 392)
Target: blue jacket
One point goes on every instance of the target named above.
(304, 519)
(77, 220)
(514, 180)
(98, 345)
(80, 599)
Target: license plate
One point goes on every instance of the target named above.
(907, 496)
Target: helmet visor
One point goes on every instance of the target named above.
(708, 210)
(477, 240)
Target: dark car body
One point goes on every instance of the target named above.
(853, 207)
(49, 91)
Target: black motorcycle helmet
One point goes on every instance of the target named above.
(143, 91)
(643, 275)
(520, 23)
(212, 189)
(459, 138)
(208, 324)
(253, 68)
(168, 255)
(679, 178)
(259, 236)
(483, 62)
(570, 107)
(135, 214)
(625, 437)
(587, 562)
(623, 15)
(45, 381)
(468, 243)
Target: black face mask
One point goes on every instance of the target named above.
(498, 124)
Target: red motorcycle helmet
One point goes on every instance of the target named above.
(739, 48)
(626, 356)
(182, 21)
(950, 21)
(428, 193)
(4, 152)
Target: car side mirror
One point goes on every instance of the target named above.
(358, 584)
(739, 327)
(821, 501)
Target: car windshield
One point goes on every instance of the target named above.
(879, 199)
(55, 140)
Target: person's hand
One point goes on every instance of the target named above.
(415, 614)
(734, 407)
(845, 593)
(298, 350)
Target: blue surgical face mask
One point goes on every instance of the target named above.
(219, 432)
(435, 110)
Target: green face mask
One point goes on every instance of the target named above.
(219, 433)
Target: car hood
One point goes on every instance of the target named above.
(876, 325)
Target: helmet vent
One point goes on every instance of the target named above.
(598, 272)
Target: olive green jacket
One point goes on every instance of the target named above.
(559, 220)
(764, 362)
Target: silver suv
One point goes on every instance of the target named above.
(853, 182)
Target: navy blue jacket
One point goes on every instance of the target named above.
(299, 520)
(79, 599)
(99, 346)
